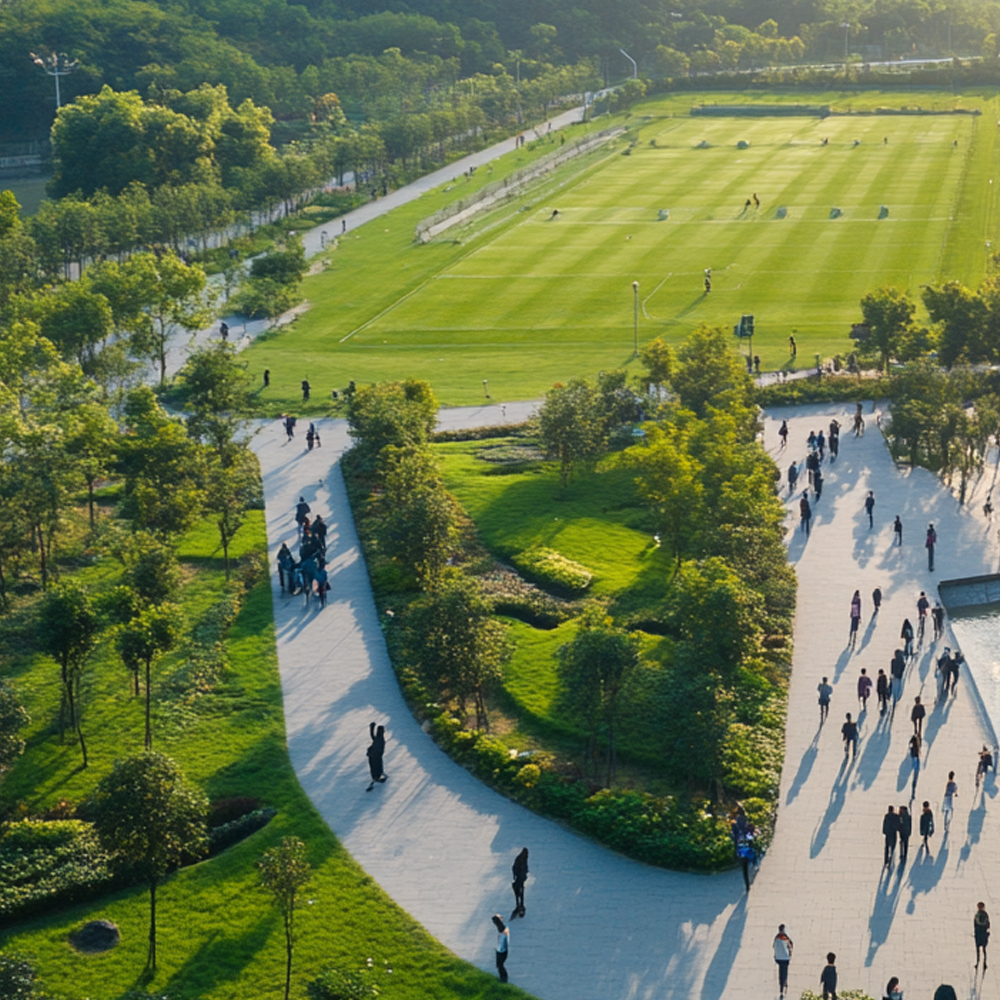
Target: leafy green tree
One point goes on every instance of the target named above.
(887, 312)
(708, 374)
(419, 517)
(141, 642)
(658, 360)
(573, 425)
(13, 718)
(17, 977)
(458, 643)
(231, 487)
(92, 446)
(69, 631)
(962, 316)
(147, 814)
(390, 413)
(284, 872)
(77, 320)
(595, 668)
(218, 398)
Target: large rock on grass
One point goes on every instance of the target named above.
(95, 936)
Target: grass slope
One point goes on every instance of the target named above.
(219, 936)
(524, 300)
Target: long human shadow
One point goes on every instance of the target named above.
(925, 873)
(884, 910)
(937, 718)
(869, 631)
(842, 661)
(838, 794)
(805, 768)
(717, 976)
(874, 753)
(973, 830)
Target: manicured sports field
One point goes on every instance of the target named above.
(527, 298)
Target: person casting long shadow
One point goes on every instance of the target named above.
(520, 872)
(376, 751)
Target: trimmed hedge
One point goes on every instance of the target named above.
(523, 429)
(552, 569)
(221, 837)
(829, 389)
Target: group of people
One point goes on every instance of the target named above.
(307, 574)
(312, 435)
(817, 444)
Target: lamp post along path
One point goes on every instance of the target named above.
(635, 319)
(56, 64)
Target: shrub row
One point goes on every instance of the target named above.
(552, 569)
(829, 389)
(527, 428)
(221, 837)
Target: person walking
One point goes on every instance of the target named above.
(818, 484)
(825, 691)
(783, 433)
(905, 831)
(520, 872)
(897, 528)
(855, 619)
(319, 532)
(285, 560)
(917, 714)
(930, 542)
(322, 579)
(849, 734)
(289, 424)
(956, 664)
(882, 692)
(828, 977)
(906, 634)
(890, 830)
(782, 957)
(793, 477)
(315, 433)
(310, 438)
(923, 606)
(267, 377)
(864, 689)
(926, 825)
(870, 509)
(948, 805)
(937, 616)
(876, 600)
(892, 990)
(792, 348)
(943, 670)
(914, 755)
(301, 514)
(503, 946)
(820, 444)
(306, 389)
(805, 513)
(897, 667)
(984, 766)
(981, 932)
(376, 753)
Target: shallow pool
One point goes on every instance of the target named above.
(977, 635)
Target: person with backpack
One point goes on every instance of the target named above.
(981, 931)
(906, 634)
(322, 579)
(319, 529)
(805, 513)
(825, 691)
(782, 957)
(301, 513)
(285, 563)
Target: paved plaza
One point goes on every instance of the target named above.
(601, 927)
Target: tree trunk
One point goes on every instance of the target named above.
(152, 924)
(74, 719)
(43, 564)
(225, 550)
(149, 728)
(135, 683)
(3, 588)
(289, 944)
(90, 501)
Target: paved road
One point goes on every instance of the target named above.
(600, 927)
(243, 332)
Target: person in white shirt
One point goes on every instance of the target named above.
(782, 956)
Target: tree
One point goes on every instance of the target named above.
(962, 316)
(396, 413)
(887, 313)
(419, 516)
(91, 443)
(13, 718)
(458, 643)
(69, 630)
(17, 976)
(284, 871)
(230, 489)
(708, 374)
(218, 397)
(658, 360)
(573, 426)
(143, 640)
(147, 814)
(150, 564)
(595, 667)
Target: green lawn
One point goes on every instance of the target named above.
(219, 935)
(524, 300)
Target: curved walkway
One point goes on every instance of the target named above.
(601, 927)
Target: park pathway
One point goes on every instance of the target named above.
(601, 927)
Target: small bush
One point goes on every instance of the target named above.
(525, 429)
(550, 568)
(333, 984)
(226, 810)
(221, 837)
(17, 976)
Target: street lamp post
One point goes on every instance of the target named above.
(847, 29)
(635, 319)
(635, 65)
(56, 65)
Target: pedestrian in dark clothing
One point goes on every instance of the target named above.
(828, 978)
(849, 734)
(782, 957)
(944, 671)
(914, 755)
(820, 445)
(890, 830)
(818, 484)
(917, 714)
(305, 390)
(930, 542)
(315, 434)
(876, 599)
(956, 663)
(805, 513)
(937, 616)
(812, 465)
(322, 579)
(301, 510)
(897, 527)
(897, 667)
(926, 825)
(793, 477)
(855, 619)
(834, 446)
(825, 691)
(870, 509)
(310, 438)
(224, 330)
(520, 872)
(267, 377)
(948, 805)
(882, 690)
(503, 946)
(285, 561)
(783, 433)
(746, 853)
(864, 689)
(376, 752)
(892, 990)
(289, 428)
(319, 532)
(981, 932)
(906, 634)
(905, 831)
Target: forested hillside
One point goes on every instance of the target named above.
(426, 54)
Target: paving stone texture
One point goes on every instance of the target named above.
(602, 927)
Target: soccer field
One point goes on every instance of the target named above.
(527, 299)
